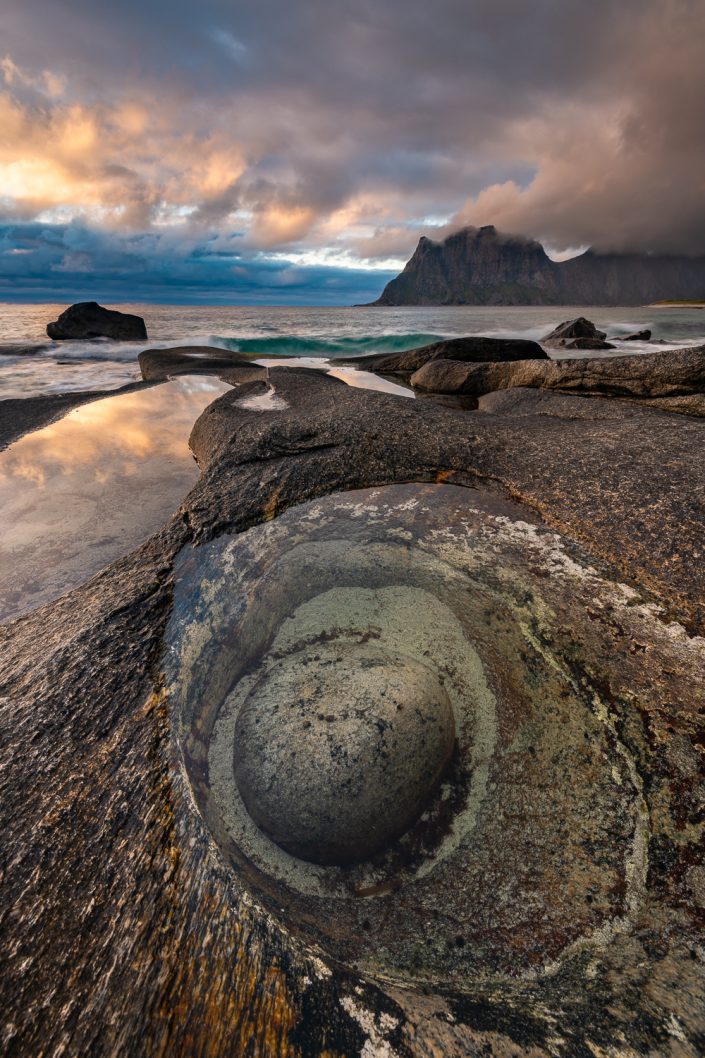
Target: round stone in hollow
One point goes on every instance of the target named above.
(338, 750)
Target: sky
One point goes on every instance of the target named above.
(293, 151)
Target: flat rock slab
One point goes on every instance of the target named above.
(655, 375)
(157, 365)
(473, 349)
(129, 932)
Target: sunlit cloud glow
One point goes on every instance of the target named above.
(330, 136)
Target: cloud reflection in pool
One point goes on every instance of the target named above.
(83, 491)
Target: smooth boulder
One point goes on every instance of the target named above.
(337, 751)
(668, 374)
(473, 349)
(88, 319)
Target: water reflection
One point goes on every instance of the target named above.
(353, 376)
(91, 487)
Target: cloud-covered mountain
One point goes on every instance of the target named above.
(480, 266)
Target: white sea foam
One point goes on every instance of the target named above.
(316, 334)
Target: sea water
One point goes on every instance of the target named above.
(30, 364)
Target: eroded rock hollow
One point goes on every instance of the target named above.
(492, 842)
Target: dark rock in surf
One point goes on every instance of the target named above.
(88, 319)
(581, 330)
(587, 343)
(638, 336)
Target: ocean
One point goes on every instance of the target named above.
(320, 333)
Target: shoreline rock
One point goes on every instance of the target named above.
(160, 364)
(638, 336)
(576, 334)
(88, 319)
(676, 374)
(22, 415)
(471, 349)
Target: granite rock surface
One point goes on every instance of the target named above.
(464, 350)
(674, 374)
(128, 932)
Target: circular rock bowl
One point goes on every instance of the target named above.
(392, 715)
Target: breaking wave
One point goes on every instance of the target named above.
(327, 348)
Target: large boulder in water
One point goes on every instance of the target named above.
(473, 349)
(580, 330)
(88, 319)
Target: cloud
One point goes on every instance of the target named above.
(40, 262)
(351, 128)
(625, 172)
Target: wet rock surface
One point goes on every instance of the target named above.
(88, 319)
(20, 416)
(157, 365)
(465, 350)
(131, 930)
(677, 373)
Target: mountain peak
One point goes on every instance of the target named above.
(482, 266)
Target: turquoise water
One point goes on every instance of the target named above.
(325, 333)
(328, 348)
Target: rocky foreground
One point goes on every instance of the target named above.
(472, 368)
(566, 916)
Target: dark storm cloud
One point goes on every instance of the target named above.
(354, 126)
(40, 262)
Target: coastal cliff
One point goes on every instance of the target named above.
(481, 266)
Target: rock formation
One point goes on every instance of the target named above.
(474, 349)
(667, 375)
(576, 334)
(88, 319)
(480, 266)
(549, 902)
(638, 336)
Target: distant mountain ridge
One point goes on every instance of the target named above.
(481, 266)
